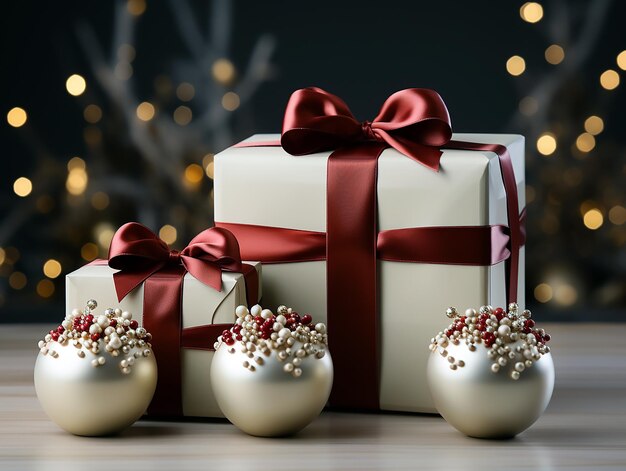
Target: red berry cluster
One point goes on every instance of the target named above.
(266, 326)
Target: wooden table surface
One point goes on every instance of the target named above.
(583, 428)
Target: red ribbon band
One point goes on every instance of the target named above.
(416, 123)
(141, 257)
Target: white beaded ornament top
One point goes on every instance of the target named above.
(115, 333)
(258, 333)
(497, 330)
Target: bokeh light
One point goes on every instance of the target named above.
(594, 125)
(136, 7)
(100, 200)
(621, 60)
(145, 111)
(532, 12)
(168, 234)
(45, 288)
(17, 280)
(230, 101)
(17, 117)
(52, 268)
(546, 144)
(609, 79)
(593, 219)
(183, 115)
(22, 186)
(89, 251)
(554, 54)
(92, 113)
(223, 71)
(515, 65)
(185, 91)
(585, 142)
(543, 292)
(75, 85)
(617, 215)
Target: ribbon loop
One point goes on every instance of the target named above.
(138, 253)
(415, 122)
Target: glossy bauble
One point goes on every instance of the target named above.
(93, 401)
(484, 404)
(269, 402)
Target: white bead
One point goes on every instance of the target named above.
(118, 312)
(502, 361)
(266, 313)
(519, 366)
(281, 319)
(115, 343)
(470, 312)
(241, 311)
(297, 372)
(284, 333)
(288, 368)
(320, 327)
(297, 361)
(66, 324)
(103, 321)
(515, 375)
(256, 310)
(278, 326)
(127, 315)
(495, 367)
(95, 329)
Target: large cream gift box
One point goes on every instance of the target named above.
(266, 186)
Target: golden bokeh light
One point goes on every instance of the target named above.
(100, 200)
(546, 144)
(183, 115)
(516, 65)
(223, 71)
(89, 251)
(528, 106)
(210, 170)
(76, 163)
(554, 54)
(593, 219)
(168, 234)
(104, 233)
(75, 85)
(92, 114)
(617, 215)
(532, 12)
(609, 79)
(565, 294)
(45, 288)
(185, 91)
(621, 60)
(145, 111)
(585, 142)
(207, 159)
(230, 101)
(17, 117)
(22, 187)
(194, 173)
(594, 125)
(77, 181)
(543, 292)
(52, 268)
(136, 7)
(3, 256)
(17, 280)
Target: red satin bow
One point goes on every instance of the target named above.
(414, 121)
(139, 253)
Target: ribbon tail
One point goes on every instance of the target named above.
(207, 272)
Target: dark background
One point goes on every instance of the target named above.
(361, 51)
